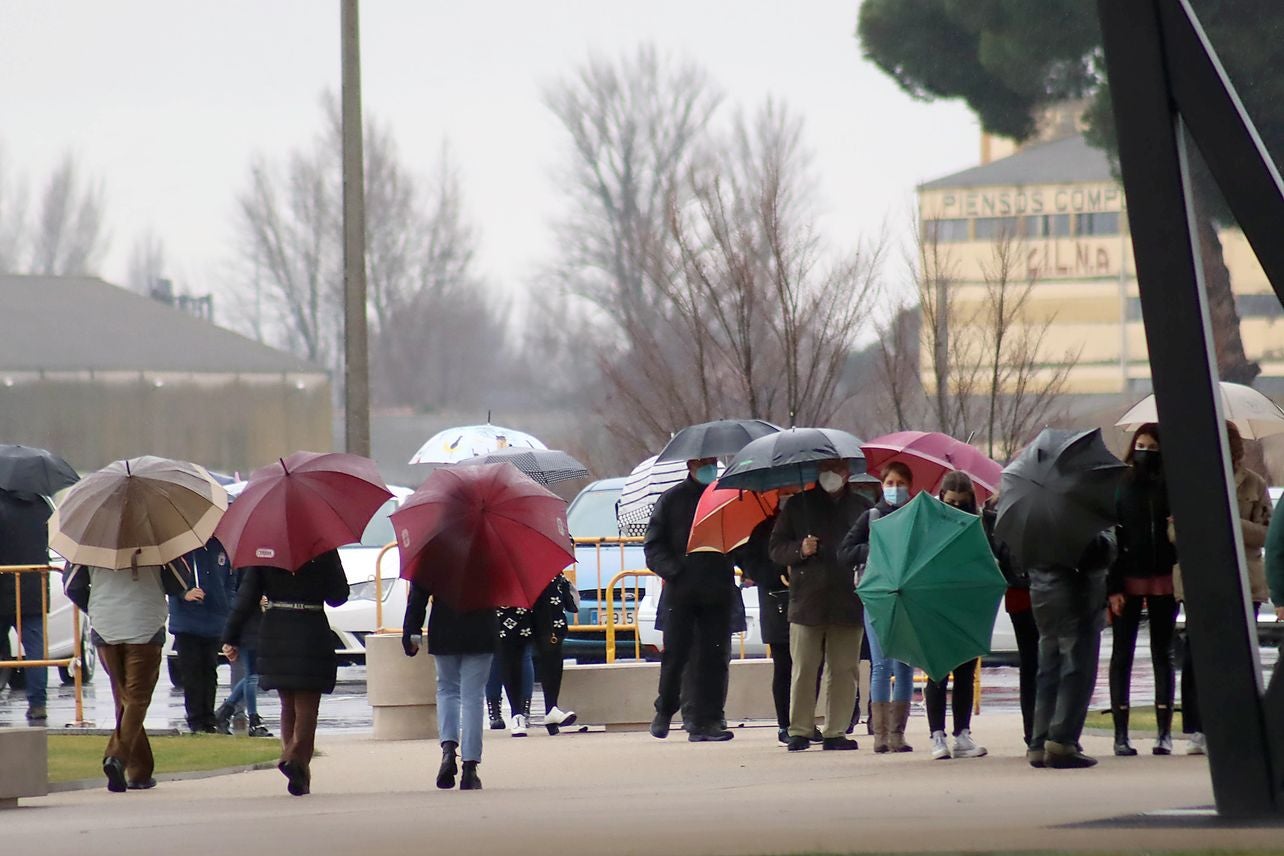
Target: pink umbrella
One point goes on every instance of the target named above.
(930, 455)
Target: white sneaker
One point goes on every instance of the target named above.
(518, 728)
(556, 718)
(965, 746)
(940, 749)
(1197, 744)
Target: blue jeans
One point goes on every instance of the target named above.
(461, 692)
(247, 688)
(33, 648)
(881, 670)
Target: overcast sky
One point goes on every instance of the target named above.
(166, 102)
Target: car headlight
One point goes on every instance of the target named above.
(366, 590)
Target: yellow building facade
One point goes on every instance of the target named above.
(1061, 218)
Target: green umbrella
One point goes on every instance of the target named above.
(931, 586)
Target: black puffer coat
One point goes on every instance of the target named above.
(24, 540)
(1144, 549)
(296, 649)
(707, 578)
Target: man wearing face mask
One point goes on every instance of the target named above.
(826, 619)
(696, 607)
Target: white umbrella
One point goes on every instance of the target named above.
(1255, 415)
(642, 488)
(469, 441)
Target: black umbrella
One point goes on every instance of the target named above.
(790, 457)
(546, 466)
(26, 469)
(714, 439)
(1057, 496)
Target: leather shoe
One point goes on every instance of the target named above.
(1124, 749)
(145, 785)
(709, 734)
(1035, 758)
(839, 743)
(798, 744)
(297, 776)
(660, 726)
(1059, 757)
(115, 773)
(816, 736)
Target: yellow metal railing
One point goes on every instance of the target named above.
(612, 625)
(378, 581)
(72, 663)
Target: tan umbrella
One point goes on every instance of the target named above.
(1255, 415)
(143, 511)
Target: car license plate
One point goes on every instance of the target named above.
(625, 618)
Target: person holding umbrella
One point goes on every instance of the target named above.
(1142, 577)
(462, 645)
(889, 707)
(697, 608)
(825, 615)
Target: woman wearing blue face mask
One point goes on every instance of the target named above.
(889, 709)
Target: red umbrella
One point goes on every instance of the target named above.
(482, 535)
(930, 455)
(300, 507)
(726, 516)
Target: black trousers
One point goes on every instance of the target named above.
(511, 651)
(782, 669)
(1069, 609)
(699, 633)
(548, 666)
(1162, 613)
(964, 696)
(1027, 639)
(198, 665)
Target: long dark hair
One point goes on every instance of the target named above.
(1150, 429)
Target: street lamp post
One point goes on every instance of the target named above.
(356, 372)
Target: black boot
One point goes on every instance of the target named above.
(223, 718)
(446, 773)
(495, 708)
(469, 780)
(1164, 729)
(256, 727)
(1122, 747)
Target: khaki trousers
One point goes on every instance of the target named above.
(839, 647)
(133, 670)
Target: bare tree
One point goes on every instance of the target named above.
(69, 237)
(757, 323)
(13, 217)
(147, 262)
(634, 125)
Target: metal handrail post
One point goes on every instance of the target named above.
(378, 581)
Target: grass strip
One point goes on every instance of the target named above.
(80, 756)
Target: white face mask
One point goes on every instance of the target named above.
(831, 482)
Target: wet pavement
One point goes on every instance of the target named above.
(347, 711)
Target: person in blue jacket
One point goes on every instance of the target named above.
(197, 626)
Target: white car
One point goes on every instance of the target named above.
(356, 619)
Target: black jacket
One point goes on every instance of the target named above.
(449, 631)
(822, 588)
(754, 559)
(1144, 548)
(696, 577)
(296, 648)
(24, 540)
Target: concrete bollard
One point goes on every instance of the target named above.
(402, 690)
(25, 770)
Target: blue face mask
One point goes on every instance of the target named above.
(706, 474)
(895, 495)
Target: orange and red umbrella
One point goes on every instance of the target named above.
(305, 504)
(726, 516)
(482, 535)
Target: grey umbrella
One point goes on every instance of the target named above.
(1056, 496)
(714, 439)
(27, 469)
(545, 466)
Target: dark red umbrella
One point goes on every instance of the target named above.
(482, 535)
(930, 455)
(300, 507)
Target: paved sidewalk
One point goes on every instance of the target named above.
(602, 793)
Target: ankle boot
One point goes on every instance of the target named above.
(880, 715)
(223, 718)
(469, 781)
(256, 727)
(494, 708)
(1164, 729)
(446, 772)
(898, 718)
(1122, 747)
